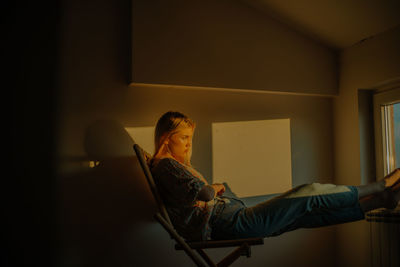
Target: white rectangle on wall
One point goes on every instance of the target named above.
(253, 157)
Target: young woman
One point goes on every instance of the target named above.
(199, 211)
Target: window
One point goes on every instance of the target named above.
(391, 136)
(387, 130)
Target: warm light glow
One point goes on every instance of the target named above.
(143, 136)
(93, 164)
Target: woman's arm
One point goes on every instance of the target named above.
(209, 192)
(181, 185)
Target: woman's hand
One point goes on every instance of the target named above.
(219, 189)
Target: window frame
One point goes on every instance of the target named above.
(383, 97)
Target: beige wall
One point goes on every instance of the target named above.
(364, 65)
(225, 44)
(107, 222)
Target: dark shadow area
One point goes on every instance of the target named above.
(30, 42)
(102, 205)
(367, 138)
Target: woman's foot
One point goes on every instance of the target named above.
(393, 178)
(391, 196)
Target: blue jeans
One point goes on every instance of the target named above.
(306, 206)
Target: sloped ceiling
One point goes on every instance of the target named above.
(336, 23)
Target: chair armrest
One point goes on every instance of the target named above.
(223, 243)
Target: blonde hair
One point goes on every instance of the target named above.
(167, 125)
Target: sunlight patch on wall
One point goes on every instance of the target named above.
(253, 157)
(143, 136)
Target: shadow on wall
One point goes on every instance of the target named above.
(101, 205)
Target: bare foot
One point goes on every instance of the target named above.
(392, 178)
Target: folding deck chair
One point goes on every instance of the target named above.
(243, 245)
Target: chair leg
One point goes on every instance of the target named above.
(206, 258)
(180, 240)
(228, 260)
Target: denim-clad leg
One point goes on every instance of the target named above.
(306, 206)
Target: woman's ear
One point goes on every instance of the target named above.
(166, 141)
(164, 146)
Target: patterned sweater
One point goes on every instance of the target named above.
(179, 186)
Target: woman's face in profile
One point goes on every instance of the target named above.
(180, 144)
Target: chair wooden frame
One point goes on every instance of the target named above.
(243, 246)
